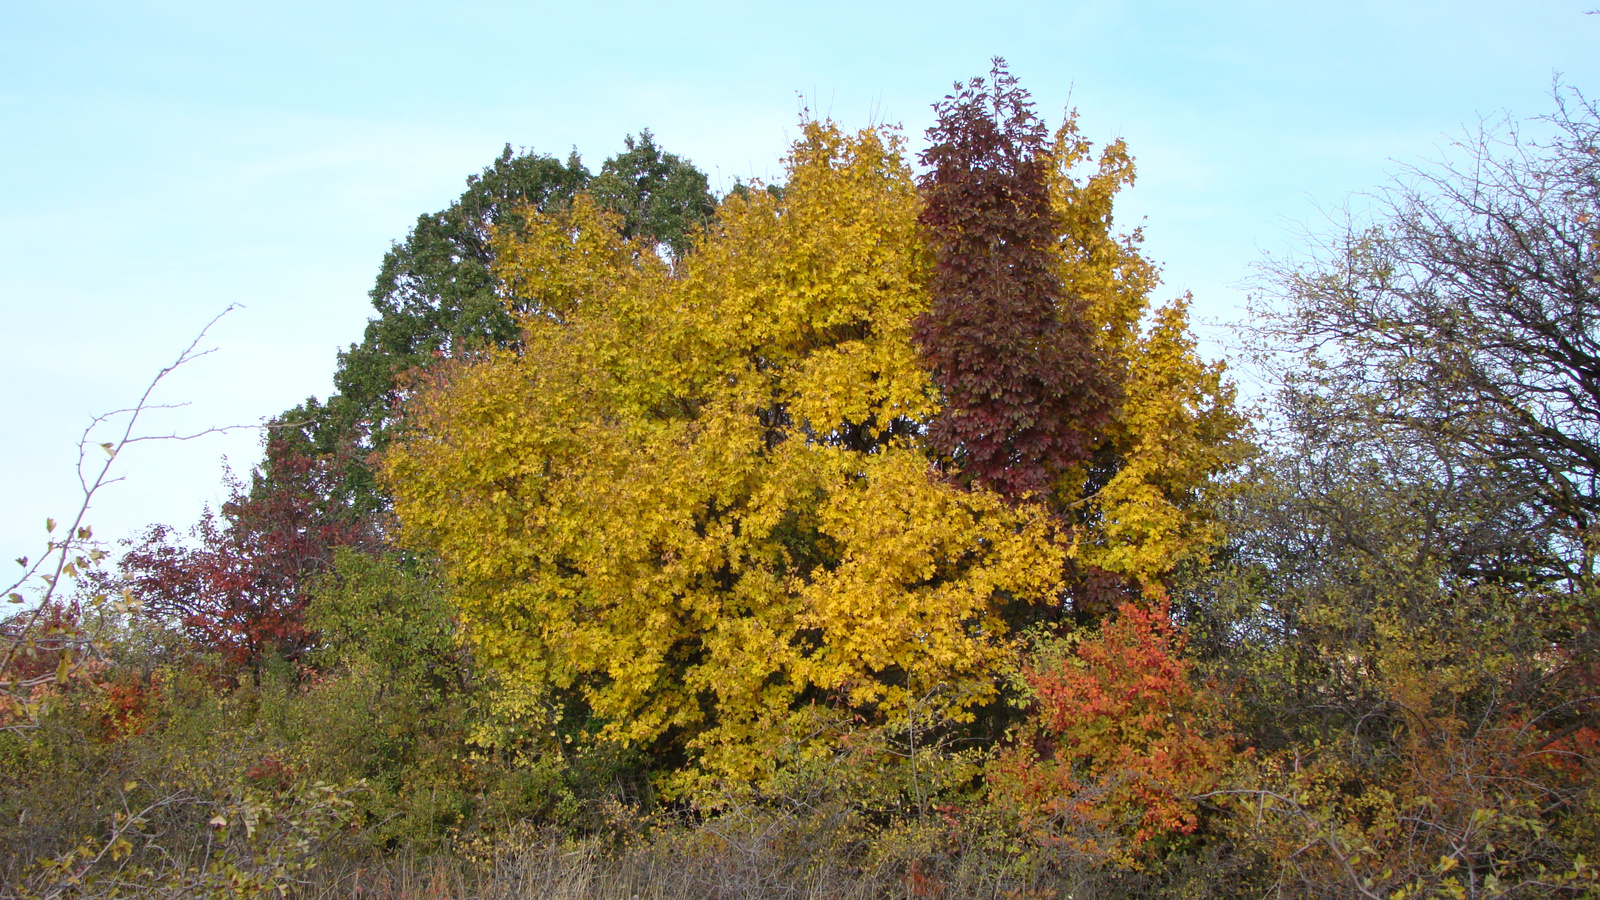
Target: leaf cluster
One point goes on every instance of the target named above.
(1024, 382)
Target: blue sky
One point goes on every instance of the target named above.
(160, 161)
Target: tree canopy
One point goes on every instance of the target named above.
(706, 496)
(437, 296)
(1409, 609)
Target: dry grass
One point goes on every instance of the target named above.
(758, 856)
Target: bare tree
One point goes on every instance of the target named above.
(1409, 607)
(1467, 320)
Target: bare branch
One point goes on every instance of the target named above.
(75, 641)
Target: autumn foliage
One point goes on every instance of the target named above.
(806, 479)
(869, 534)
(1118, 743)
(697, 497)
(241, 585)
(1024, 382)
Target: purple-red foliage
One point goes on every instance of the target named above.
(239, 588)
(1024, 384)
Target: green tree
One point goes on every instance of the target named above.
(435, 293)
(661, 197)
(437, 296)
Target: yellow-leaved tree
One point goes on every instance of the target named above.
(697, 498)
(1138, 505)
(700, 501)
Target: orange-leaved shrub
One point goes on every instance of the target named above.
(1117, 744)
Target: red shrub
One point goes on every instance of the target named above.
(1114, 748)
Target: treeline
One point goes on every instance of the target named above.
(873, 534)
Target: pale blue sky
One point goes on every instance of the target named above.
(161, 160)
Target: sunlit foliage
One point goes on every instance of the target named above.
(700, 499)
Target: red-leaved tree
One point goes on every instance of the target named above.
(1025, 387)
(239, 587)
